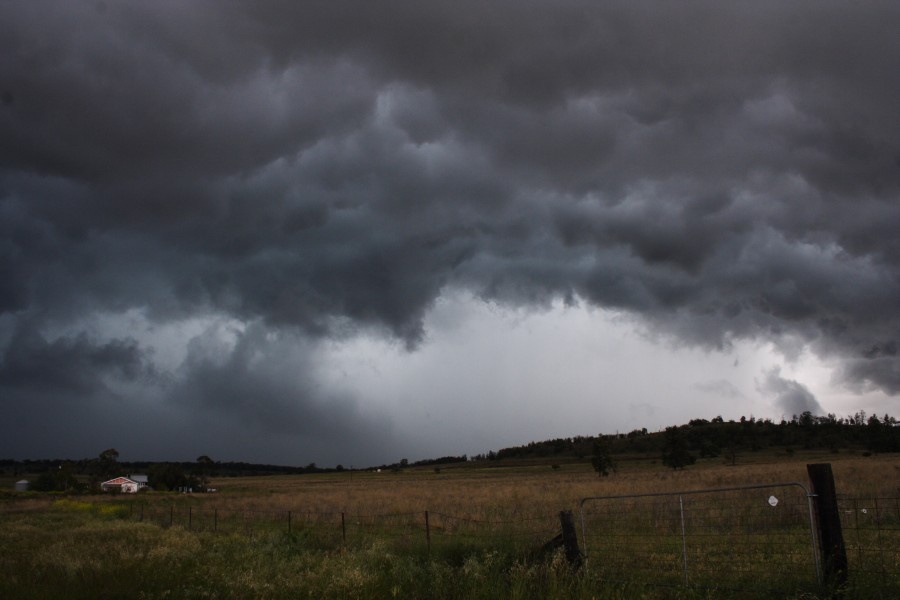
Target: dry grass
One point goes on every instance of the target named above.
(81, 549)
(510, 493)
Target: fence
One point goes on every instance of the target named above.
(723, 538)
(871, 533)
(431, 531)
(778, 537)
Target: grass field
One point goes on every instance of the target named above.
(96, 547)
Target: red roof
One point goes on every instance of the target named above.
(118, 481)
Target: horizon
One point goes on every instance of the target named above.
(484, 455)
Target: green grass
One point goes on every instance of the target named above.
(78, 553)
(74, 550)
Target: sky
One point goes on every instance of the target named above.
(355, 232)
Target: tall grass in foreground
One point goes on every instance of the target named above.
(71, 552)
(80, 554)
(83, 548)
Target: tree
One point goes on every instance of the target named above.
(204, 468)
(806, 419)
(881, 436)
(675, 451)
(168, 476)
(65, 480)
(56, 480)
(46, 482)
(106, 465)
(731, 452)
(601, 459)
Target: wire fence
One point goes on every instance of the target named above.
(431, 531)
(871, 531)
(733, 538)
(748, 539)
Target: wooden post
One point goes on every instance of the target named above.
(289, 521)
(569, 538)
(215, 519)
(828, 524)
(171, 514)
(190, 517)
(343, 529)
(427, 532)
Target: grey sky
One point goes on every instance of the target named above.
(250, 230)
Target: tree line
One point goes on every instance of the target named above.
(85, 475)
(680, 446)
(677, 447)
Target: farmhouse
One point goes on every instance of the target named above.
(127, 485)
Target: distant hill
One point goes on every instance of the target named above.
(717, 437)
(699, 438)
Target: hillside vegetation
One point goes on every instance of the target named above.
(746, 440)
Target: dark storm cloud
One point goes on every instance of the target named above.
(264, 383)
(70, 364)
(61, 396)
(722, 171)
(262, 389)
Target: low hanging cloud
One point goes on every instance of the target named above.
(790, 396)
(720, 172)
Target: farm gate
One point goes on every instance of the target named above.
(741, 538)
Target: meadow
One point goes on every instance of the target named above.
(281, 537)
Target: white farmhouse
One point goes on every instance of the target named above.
(126, 485)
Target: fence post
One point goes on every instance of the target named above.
(190, 517)
(569, 538)
(289, 521)
(171, 514)
(343, 528)
(427, 532)
(683, 538)
(215, 519)
(828, 523)
(142, 511)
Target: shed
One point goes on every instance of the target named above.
(139, 479)
(22, 486)
(123, 484)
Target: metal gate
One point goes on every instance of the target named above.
(751, 537)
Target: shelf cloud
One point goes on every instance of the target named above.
(196, 199)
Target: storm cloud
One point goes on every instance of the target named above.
(304, 174)
(790, 396)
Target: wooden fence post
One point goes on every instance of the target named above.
(427, 532)
(569, 538)
(289, 521)
(343, 528)
(828, 524)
